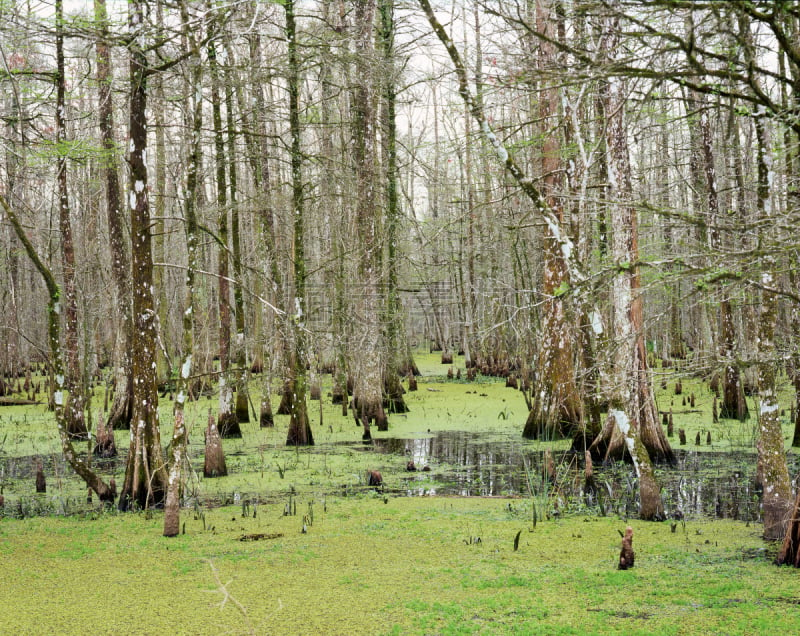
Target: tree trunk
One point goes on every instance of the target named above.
(260, 164)
(299, 427)
(145, 473)
(772, 468)
(179, 440)
(239, 354)
(119, 415)
(367, 353)
(733, 404)
(75, 418)
(632, 425)
(556, 405)
(393, 315)
(227, 423)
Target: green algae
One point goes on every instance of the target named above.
(372, 566)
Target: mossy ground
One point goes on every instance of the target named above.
(371, 563)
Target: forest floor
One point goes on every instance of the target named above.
(385, 562)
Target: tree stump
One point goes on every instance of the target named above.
(626, 555)
(374, 479)
(589, 484)
(105, 445)
(549, 468)
(41, 484)
(265, 418)
(214, 465)
(682, 436)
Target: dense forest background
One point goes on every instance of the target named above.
(585, 196)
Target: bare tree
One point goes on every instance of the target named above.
(145, 472)
(120, 413)
(76, 422)
(555, 408)
(368, 353)
(179, 439)
(104, 491)
(299, 426)
(632, 425)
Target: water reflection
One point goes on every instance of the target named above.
(718, 485)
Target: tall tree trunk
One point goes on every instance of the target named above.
(179, 440)
(119, 415)
(733, 404)
(790, 550)
(632, 424)
(772, 469)
(76, 421)
(331, 191)
(299, 426)
(227, 423)
(367, 353)
(242, 408)
(556, 405)
(145, 473)
(276, 303)
(393, 313)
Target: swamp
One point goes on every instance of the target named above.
(399, 317)
(294, 540)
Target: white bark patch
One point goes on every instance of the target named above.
(58, 397)
(566, 249)
(139, 185)
(597, 322)
(553, 227)
(502, 153)
(624, 425)
(132, 200)
(621, 420)
(60, 380)
(767, 408)
(56, 308)
(186, 369)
